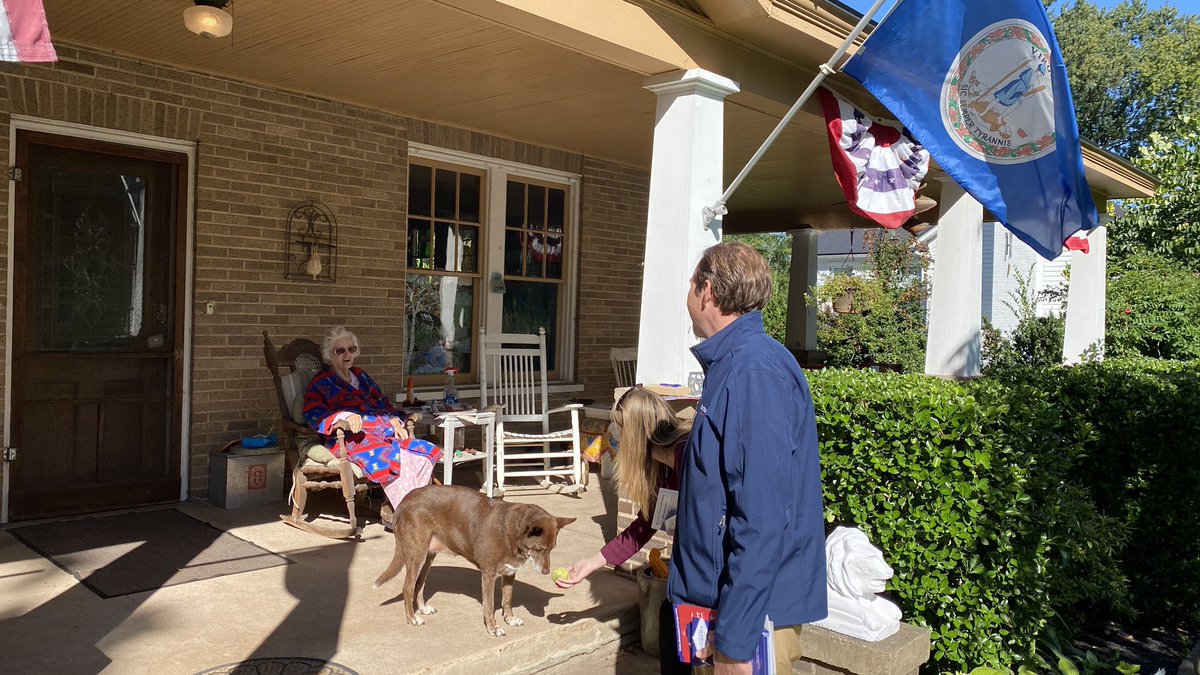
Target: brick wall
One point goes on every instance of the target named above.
(261, 151)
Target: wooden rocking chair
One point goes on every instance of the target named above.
(314, 467)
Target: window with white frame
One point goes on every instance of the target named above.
(490, 245)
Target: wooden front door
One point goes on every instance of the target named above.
(97, 326)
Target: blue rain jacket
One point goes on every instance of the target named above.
(750, 535)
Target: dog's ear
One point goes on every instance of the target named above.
(563, 522)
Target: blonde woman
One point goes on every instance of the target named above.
(648, 440)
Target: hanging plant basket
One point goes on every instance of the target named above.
(844, 303)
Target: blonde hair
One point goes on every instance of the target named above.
(645, 420)
(338, 333)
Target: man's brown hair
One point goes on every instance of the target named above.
(740, 277)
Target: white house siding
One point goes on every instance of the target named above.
(840, 251)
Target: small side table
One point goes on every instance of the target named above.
(449, 422)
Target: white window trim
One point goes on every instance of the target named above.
(497, 172)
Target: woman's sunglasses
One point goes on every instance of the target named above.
(353, 349)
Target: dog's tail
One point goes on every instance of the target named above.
(392, 570)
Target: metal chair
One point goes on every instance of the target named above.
(512, 383)
(624, 363)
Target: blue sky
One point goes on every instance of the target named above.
(1185, 6)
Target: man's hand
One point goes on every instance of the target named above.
(399, 428)
(723, 665)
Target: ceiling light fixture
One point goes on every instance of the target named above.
(208, 18)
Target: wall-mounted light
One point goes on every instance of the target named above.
(208, 18)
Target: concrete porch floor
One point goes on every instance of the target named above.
(322, 606)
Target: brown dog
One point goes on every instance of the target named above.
(496, 536)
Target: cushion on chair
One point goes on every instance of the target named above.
(293, 385)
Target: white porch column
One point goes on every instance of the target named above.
(955, 306)
(685, 176)
(1086, 296)
(801, 332)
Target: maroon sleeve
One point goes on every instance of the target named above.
(630, 541)
(634, 537)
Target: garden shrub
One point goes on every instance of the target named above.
(970, 498)
(1142, 464)
(1153, 309)
(886, 324)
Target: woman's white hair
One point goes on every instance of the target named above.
(333, 336)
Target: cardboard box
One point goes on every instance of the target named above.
(238, 479)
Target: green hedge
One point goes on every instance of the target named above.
(970, 490)
(1143, 467)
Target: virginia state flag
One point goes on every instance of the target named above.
(982, 85)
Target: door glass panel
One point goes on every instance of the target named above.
(438, 326)
(529, 305)
(91, 267)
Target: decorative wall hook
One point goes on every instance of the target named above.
(310, 247)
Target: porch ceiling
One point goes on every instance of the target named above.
(567, 76)
(431, 61)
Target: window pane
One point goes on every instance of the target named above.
(445, 247)
(554, 247)
(419, 244)
(537, 207)
(439, 323)
(469, 197)
(514, 250)
(445, 193)
(420, 190)
(556, 211)
(529, 305)
(470, 248)
(535, 255)
(514, 210)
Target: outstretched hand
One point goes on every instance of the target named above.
(581, 569)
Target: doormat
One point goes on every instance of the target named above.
(143, 551)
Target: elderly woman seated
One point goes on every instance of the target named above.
(343, 396)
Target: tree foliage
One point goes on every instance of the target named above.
(1153, 309)
(1132, 69)
(776, 247)
(1167, 224)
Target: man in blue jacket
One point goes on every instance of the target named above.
(749, 538)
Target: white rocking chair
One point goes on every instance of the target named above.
(512, 383)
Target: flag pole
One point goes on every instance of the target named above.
(826, 69)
